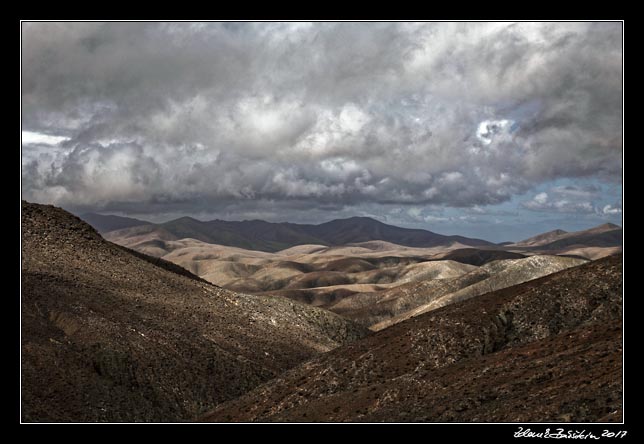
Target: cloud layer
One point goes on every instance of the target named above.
(187, 116)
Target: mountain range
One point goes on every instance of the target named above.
(268, 236)
(272, 237)
(147, 323)
(375, 282)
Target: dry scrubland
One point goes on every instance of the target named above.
(368, 331)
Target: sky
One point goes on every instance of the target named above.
(495, 130)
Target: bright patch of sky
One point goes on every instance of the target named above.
(33, 138)
(489, 129)
(567, 204)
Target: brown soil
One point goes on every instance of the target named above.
(108, 335)
(546, 350)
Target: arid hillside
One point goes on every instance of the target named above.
(375, 283)
(594, 243)
(402, 303)
(546, 350)
(113, 335)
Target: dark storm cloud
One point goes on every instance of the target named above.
(196, 116)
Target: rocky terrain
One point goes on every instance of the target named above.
(403, 303)
(114, 335)
(374, 282)
(545, 350)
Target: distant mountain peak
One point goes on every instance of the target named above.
(186, 219)
(104, 223)
(269, 236)
(356, 218)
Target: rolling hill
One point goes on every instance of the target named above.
(540, 239)
(273, 237)
(548, 350)
(113, 335)
(373, 282)
(382, 309)
(593, 243)
(605, 235)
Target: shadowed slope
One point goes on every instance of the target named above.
(107, 335)
(545, 350)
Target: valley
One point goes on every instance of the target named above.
(545, 350)
(138, 325)
(373, 282)
(324, 221)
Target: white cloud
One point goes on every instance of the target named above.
(544, 202)
(34, 138)
(340, 167)
(430, 218)
(540, 198)
(452, 177)
(609, 209)
(488, 130)
(414, 213)
(575, 192)
(454, 114)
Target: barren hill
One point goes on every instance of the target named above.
(273, 237)
(541, 239)
(371, 282)
(109, 335)
(374, 282)
(546, 350)
(383, 309)
(602, 236)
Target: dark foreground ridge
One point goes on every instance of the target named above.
(111, 335)
(546, 350)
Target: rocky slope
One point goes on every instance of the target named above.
(108, 335)
(385, 308)
(546, 350)
(375, 283)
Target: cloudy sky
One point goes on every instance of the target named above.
(493, 130)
